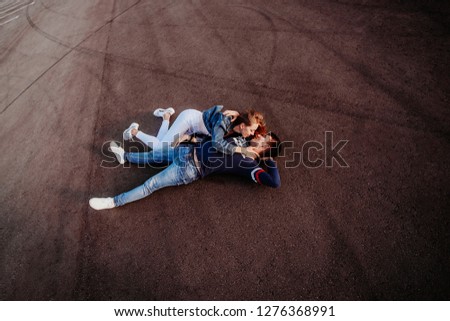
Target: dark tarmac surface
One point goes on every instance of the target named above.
(75, 74)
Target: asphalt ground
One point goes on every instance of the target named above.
(75, 74)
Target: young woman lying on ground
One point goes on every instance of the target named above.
(210, 122)
(188, 163)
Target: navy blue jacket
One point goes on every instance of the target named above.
(212, 162)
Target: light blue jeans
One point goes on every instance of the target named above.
(189, 121)
(182, 170)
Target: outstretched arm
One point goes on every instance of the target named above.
(269, 177)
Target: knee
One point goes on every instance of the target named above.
(149, 187)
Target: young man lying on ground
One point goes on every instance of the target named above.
(188, 163)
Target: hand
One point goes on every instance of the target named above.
(250, 152)
(178, 140)
(231, 113)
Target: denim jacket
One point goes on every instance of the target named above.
(218, 126)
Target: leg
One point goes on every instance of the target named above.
(181, 171)
(152, 141)
(186, 123)
(164, 126)
(176, 174)
(161, 156)
(149, 140)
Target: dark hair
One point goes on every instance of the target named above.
(275, 147)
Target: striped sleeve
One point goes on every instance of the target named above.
(270, 178)
(255, 174)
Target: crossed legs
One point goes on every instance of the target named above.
(188, 122)
(182, 170)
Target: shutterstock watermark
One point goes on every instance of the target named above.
(311, 154)
(315, 154)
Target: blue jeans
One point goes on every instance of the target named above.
(182, 170)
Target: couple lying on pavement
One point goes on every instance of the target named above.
(227, 149)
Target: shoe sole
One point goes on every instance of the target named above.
(120, 158)
(161, 111)
(132, 126)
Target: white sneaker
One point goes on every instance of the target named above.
(127, 133)
(161, 111)
(102, 203)
(118, 151)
